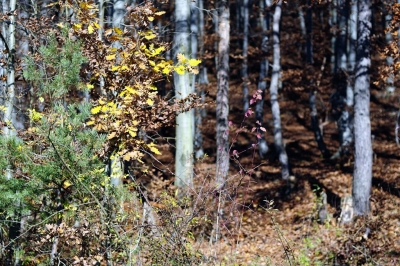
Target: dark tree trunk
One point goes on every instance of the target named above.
(362, 178)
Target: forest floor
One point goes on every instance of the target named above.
(254, 234)
(262, 223)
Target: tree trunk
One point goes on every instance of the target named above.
(389, 59)
(184, 121)
(309, 44)
(202, 81)
(265, 6)
(352, 25)
(362, 178)
(245, 47)
(333, 25)
(276, 68)
(340, 47)
(222, 109)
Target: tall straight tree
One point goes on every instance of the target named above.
(202, 81)
(265, 6)
(245, 48)
(276, 115)
(222, 109)
(362, 177)
(184, 121)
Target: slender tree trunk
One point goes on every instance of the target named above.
(203, 81)
(389, 59)
(276, 115)
(352, 25)
(215, 16)
(340, 47)
(265, 6)
(362, 178)
(309, 44)
(245, 47)
(333, 24)
(222, 109)
(184, 121)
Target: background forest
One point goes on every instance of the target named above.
(199, 132)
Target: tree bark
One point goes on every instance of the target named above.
(362, 177)
(222, 109)
(245, 47)
(202, 81)
(276, 115)
(184, 121)
(265, 6)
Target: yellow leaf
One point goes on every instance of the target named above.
(155, 150)
(150, 102)
(60, 25)
(96, 110)
(194, 62)
(110, 57)
(132, 133)
(152, 63)
(66, 184)
(118, 31)
(96, 25)
(159, 13)
(150, 35)
(180, 70)
(90, 29)
(150, 18)
(112, 135)
(115, 68)
(89, 86)
(41, 99)
(90, 123)
(77, 26)
(124, 68)
(166, 71)
(181, 58)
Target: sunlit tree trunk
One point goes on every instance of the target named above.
(245, 47)
(184, 121)
(265, 6)
(276, 115)
(362, 178)
(9, 129)
(222, 109)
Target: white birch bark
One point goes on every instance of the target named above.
(184, 121)
(276, 68)
(264, 67)
(245, 47)
(222, 109)
(362, 177)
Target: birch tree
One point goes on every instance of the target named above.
(276, 115)
(222, 108)
(362, 177)
(184, 121)
(265, 6)
(245, 47)
(202, 81)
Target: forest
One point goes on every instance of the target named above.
(192, 132)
